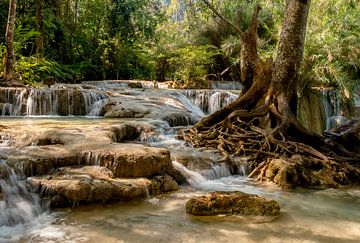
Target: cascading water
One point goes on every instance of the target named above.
(11, 101)
(210, 101)
(56, 100)
(17, 205)
(332, 106)
(93, 101)
(218, 178)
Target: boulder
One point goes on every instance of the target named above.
(232, 203)
(161, 184)
(348, 135)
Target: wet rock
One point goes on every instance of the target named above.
(92, 184)
(164, 106)
(131, 131)
(309, 172)
(161, 184)
(348, 135)
(232, 203)
(130, 160)
(135, 85)
(119, 107)
(177, 119)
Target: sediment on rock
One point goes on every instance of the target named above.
(232, 203)
(73, 186)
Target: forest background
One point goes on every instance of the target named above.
(176, 40)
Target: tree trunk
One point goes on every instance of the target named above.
(266, 85)
(9, 41)
(40, 28)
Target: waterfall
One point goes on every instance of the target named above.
(92, 101)
(42, 102)
(210, 101)
(332, 107)
(17, 205)
(57, 100)
(220, 99)
(12, 101)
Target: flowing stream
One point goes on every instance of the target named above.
(306, 215)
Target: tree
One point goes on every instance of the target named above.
(40, 28)
(9, 40)
(262, 121)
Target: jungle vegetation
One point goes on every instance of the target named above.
(181, 40)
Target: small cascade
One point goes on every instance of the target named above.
(93, 101)
(210, 101)
(216, 179)
(12, 101)
(195, 179)
(57, 100)
(95, 109)
(182, 100)
(90, 158)
(42, 102)
(332, 107)
(216, 172)
(220, 99)
(17, 205)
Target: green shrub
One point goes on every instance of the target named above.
(192, 63)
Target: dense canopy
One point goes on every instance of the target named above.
(178, 40)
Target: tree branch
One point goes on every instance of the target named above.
(223, 18)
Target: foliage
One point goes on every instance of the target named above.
(176, 39)
(32, 70)
(192, 63)
(332, 55)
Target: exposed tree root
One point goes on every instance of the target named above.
(302, 164)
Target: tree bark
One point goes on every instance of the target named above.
(289, 55)
(40, 28)
(9, 41)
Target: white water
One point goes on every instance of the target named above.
(17, 205)
(57, 100)
(210, 101)
(332, 106)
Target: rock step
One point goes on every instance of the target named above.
(124, 160)
(73, 186)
